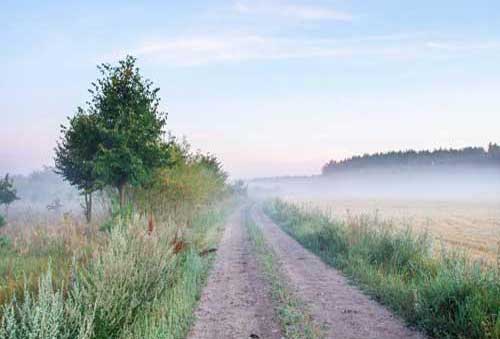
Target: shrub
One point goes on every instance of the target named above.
(46, 316)
(124, 279)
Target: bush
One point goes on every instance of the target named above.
(124, 279)
(46, 316)
(3, 222)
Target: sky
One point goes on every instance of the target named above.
(270, 87)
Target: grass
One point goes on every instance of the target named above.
(171, 315)
(132, 283)
(447, 296)
(25, 256)
(294, 320)
(468, 225)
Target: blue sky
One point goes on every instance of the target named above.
(271, 87)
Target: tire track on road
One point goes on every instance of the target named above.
(235, 303)
(341, 309)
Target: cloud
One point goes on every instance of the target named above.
(453, 46)
(295, 11)
(198, 50)
(225, 48)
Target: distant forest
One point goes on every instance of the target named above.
(468, 156)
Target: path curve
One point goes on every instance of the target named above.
(235, 303)
(341, 309)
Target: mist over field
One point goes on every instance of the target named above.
(446, 183)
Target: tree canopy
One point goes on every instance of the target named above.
(8, 193)
(130, 124)
(118, 139)
(76, 153)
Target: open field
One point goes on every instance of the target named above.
(470, 225)
(447, 296)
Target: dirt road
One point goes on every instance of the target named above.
(342, 310)
(235, 303)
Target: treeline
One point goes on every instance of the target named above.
(468, 156)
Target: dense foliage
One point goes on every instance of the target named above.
(447, 296)
(477, 156)
(117, 140)
(130, 126)
(76, 153)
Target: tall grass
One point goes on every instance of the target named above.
(26, 253)
(171, 314)
(132, 286)
(448, 297)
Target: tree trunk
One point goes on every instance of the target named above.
(88, 206)
(121, 191)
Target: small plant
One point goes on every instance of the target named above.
(5, 242)
(120, 216)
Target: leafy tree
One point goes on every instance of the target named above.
(75, 156)
(8, 193)
(130, 126)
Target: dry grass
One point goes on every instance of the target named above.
(447, 295)
(470, 225)
(31, 247)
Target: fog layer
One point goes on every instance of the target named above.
(445, 183)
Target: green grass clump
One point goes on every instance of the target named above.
(447, 296)
(294, 319)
